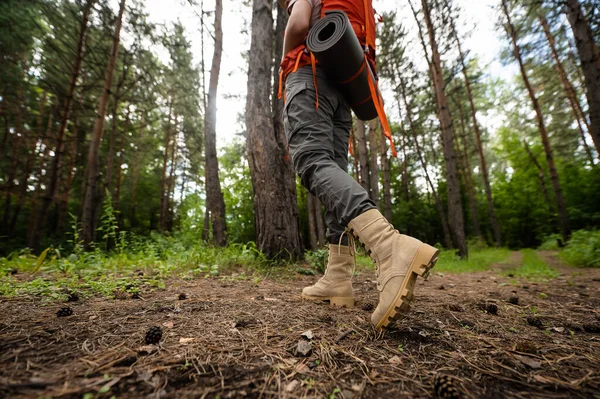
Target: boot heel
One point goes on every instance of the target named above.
(347, 302)
(425, 260)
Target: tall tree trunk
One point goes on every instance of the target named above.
(568, 86)
(108, 183)
(363, 155)
(456, 219)
(354, 155)
(438, 202)
(136, 174)
(170, 202)
(63, 204)
(214, 195)
(19, 144)
(590, 64)
(31, 147)
(404, 166)
(275, 205)
(313, 235)
(117, 195)
(373, 166)
(88, 219)
(387, 181)
(39, 225)
(560, 202)
(477, 130)
(467, 171)
(163, 177)
(322, 239)
(541, 176)
(41, 156)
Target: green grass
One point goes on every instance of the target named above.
(480, 259)
(533, 268)
(583, 249)
(138, 265)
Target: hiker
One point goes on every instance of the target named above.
(318, 133)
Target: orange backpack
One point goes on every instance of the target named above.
(362, 17)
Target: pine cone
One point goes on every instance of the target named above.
(153, 336)
(182, 297)
(535, 322)
(136, 295)
(120, 294)
(445, 387)
(64, 312)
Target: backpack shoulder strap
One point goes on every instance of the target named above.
(368, 20)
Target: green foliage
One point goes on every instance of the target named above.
(583, 249)
(550, 243)
(318, 259)
(479, 260)
(141, 264)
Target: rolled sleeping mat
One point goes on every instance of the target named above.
(338, 51)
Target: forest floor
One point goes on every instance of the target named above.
(495, 334)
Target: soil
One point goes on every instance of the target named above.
(235, 338)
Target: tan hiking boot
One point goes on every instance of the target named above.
(336, 285)
(399, 259)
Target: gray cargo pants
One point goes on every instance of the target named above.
(318, 145)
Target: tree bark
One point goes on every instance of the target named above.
(275, 206)
(574, 102)
(560, 202)
(30, 147)
(467, 171)
(170, 201)
(541, 176)
(363, 157)
(313, 236)
(108, 183)
(589, 56)
(19, 144)
(456, 219)
(63, 204)
(136, 174)
(438, 202)
(405, 177)
(163, 177)
(39, 225)
(214, 195)
(117, 195)
(88, 219)
(387, 181)
(477, 130)
(354, 155)
(373, 166)
(322, 239)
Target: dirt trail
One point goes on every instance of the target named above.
(237, 339)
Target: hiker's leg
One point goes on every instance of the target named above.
(310, 137)
(342, 124)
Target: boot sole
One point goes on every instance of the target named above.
(340, 302)
(424, 261)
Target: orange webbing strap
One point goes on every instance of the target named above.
(350, 143)
(313, 61)
(378, 101)
(280, 90)
(368, 38)
(356, 75)
(283, 75)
